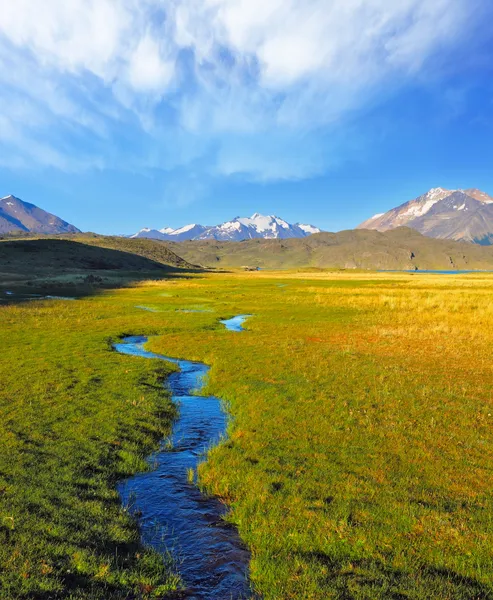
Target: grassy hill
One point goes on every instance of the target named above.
(153, 250)
(79, 261)
(401, 248)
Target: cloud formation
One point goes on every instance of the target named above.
(246, 86)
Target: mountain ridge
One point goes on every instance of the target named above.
(17, 215)
(460, 215)
(402, 248)
(257, 226)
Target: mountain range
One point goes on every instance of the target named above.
(17, 215)
(270, 242)
(238, 229)
(462, 215)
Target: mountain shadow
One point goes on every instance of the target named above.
(69, 267)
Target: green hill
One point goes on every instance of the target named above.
(78, 261)
(153, 250)
(401, 248)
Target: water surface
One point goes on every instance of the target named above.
(147, 308)
(13, 297)
(430, 271)
(174, 516)
(236, 323)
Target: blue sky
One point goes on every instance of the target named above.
(120, 114)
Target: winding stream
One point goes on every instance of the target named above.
(174, 516)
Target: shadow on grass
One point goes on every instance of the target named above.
(35, 268)
(349, 577)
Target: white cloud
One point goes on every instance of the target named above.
(147, 70)
(338, 39)
(110, 39)
(213, 71)
(325, 45)
(70, 35)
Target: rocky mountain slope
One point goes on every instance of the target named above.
(17, 215)
(465, 215)
(401, 249)
(241, 228)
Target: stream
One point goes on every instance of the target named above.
(174, 516)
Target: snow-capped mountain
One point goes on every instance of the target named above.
(308, 229)
(187, 232)
(152, 234)
(448, 214)
(238, 229)
(257, 226)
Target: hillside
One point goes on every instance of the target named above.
(78, 261)
(147, 248)
(17, 215)
(401, 248)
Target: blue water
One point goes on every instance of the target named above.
(431, 271)
(174, 516)
(236, 323)
(22, 297)
(440, 272)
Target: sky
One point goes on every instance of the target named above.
(122, 114)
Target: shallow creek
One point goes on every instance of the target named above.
(174, 516)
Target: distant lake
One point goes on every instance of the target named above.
(431, 271)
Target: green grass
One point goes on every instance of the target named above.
(76, 418)
(358, 463)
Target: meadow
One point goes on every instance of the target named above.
(359, 458)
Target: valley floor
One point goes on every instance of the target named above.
(359, 458)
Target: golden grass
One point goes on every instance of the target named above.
(373, 391)
(360, 450)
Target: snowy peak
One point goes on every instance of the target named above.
(152, 234)
(187, 232)
(420, 206)
(238, 229)
(448, 214)
(308, 229)
(259, 226)
(437, 194)
(269, 224)
(9, 200)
